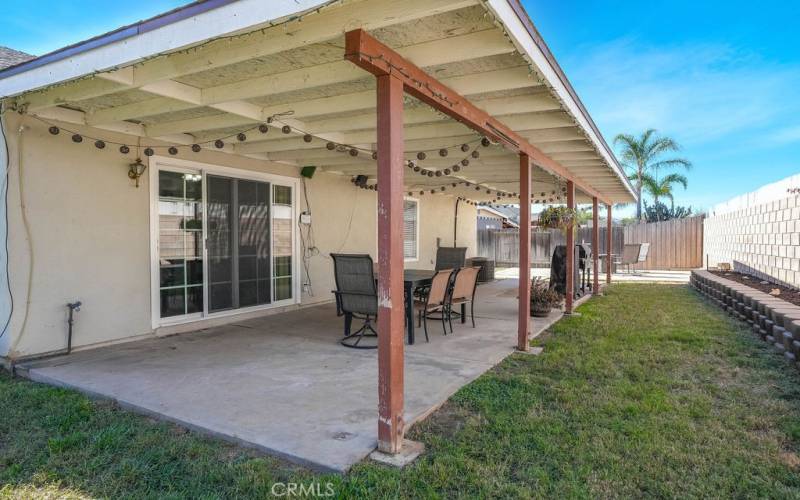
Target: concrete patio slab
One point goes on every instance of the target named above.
(283, 384)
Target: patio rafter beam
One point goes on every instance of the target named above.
(443, 128)
(378, 59)
(511, 78)
(317, 28)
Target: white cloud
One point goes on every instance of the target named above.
(696, 93)
(786, 135)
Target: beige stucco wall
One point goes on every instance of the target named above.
(90, 236)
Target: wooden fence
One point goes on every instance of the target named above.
(674, 244)
(502, 245)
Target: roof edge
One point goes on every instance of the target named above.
(537, 39)
(121, 33)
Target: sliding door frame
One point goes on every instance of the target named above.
(158, 163)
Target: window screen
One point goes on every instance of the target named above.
(410, 222)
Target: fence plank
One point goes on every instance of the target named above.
(674, 244)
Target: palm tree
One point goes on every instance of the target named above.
(658, 188)
(642, 157)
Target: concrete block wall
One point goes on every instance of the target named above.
(758, 233)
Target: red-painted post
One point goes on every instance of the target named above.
(390, 264)
(609, 242)
(524, 324)
(595, 246)
(570, 252)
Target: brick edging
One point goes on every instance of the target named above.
(774, 320)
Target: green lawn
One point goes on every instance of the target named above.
(650, 392)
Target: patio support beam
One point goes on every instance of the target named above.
(524, 324)
(391, 324)
(609, 228)
(595, 246)
(371, 55)
(570, 285)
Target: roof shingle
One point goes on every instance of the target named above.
(10, 57)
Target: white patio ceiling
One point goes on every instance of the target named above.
(296, 69)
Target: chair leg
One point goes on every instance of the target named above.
(425, 322)
(472, 312)
(348, 322)
(444, 325)
(450, 317)
(366, 330)
(463, 313)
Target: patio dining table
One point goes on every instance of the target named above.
(413, 279)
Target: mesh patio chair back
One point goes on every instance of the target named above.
(466, 279)
(439, 285)
(450, 257)
(630, 253)
(355, 282)
(643, 250)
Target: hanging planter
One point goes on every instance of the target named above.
(558, 217)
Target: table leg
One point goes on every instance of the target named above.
(409, 300)
(463, 312)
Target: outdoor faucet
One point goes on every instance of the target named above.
(73, 306)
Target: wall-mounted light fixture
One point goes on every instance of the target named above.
(135, 170)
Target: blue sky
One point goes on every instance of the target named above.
(721, 77)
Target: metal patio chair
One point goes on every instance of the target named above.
(434, 298)
(463, 293)
(356, 297)
(630, 256)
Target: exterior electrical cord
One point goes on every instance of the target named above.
(25, 224)
(5, 205)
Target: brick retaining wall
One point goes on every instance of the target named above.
(775, 320)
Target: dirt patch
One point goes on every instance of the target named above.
(790, 459)
(448, 420)
(786, 293)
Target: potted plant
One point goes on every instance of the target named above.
(558, 217)
(543, 298)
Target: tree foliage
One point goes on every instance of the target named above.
(660, 212)
(644, 157)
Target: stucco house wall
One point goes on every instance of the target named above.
(84, 234)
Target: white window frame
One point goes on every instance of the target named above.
(158, 163)
(416, 237)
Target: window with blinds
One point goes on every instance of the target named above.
(410, 229)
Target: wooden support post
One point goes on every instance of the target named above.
(570, 252)
(595, 247)
(609, 242)
(524, 324)
(390, 263)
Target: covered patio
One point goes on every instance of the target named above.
(458, 101)
(282, 383)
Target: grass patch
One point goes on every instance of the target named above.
(650, 392)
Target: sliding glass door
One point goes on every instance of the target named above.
(223, 243)
(180, 255)
(239, 243)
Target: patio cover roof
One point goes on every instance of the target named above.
(215, 68)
